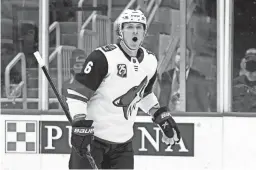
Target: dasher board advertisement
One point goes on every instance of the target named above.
(48, 143)
(55, 139)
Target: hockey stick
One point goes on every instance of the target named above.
(65, 109)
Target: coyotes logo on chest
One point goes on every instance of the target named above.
(129, 100)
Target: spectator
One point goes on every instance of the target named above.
(76, 62)
(29, 42)
(244, 86)
(197, 94)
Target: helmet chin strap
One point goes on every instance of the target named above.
(128, 50)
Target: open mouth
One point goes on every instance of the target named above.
(135, 39)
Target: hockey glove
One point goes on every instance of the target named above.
(171, 133)
(82, 134)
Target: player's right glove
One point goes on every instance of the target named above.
(82, 134)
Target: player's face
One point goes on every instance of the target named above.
(133, 35)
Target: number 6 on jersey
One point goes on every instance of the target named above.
(88, 67)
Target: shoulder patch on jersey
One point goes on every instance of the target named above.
(121, 70)
(108, 47)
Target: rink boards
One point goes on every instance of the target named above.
(208, 142)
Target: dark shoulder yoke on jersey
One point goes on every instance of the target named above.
(89, 79)
(108, 47)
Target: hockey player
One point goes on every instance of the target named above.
(115, 81)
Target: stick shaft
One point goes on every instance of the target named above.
(65, 109)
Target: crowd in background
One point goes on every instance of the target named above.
(201, 57)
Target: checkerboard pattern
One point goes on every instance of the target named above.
(20, 136)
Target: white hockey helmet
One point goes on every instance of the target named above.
(130, 15)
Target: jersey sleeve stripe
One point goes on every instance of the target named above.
(75, 95)
(85, 91)
(79, 90)
(76, 107)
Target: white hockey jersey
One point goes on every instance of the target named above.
(113, 84)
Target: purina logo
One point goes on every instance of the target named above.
(20, 136)
(147, 140)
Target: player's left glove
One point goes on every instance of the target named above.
(171, 133)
